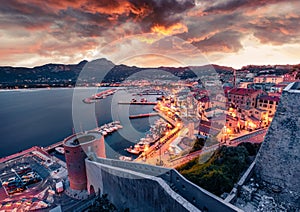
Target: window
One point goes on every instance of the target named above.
(271, 102)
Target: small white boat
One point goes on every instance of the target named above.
(124, 158)
(133, 150)
(60, 150)
(104, 133)
(119, 126)
(108, 130)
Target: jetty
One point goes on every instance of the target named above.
(142, 115)
(137, 103)
(98, 96)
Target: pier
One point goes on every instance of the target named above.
(101, 95)
(53, 146)
(143, 115)
(137, 103)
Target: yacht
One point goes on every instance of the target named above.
(124, 158)
(133, 150)
(60, 150)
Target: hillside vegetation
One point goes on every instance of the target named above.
(222, 170)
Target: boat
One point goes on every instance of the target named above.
(104, 133)
(108, 130)
(60, 150)
(124, 158)
(133, 150)
(119, 126)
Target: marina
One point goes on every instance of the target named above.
(109, 128)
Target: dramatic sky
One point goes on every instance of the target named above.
(150, 32)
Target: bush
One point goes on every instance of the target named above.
(221, 171)
(198, 144)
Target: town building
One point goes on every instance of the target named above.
(243, 97)
(268, 103)
(268, 79)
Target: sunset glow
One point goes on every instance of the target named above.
(227, 32)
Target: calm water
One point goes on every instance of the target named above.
(43, 117)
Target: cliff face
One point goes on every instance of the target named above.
(278, 161)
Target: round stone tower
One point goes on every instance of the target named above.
(77, 148)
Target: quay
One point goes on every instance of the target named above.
(142, 115)
(53, 146)
(137, 103)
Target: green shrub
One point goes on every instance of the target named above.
(221, 171)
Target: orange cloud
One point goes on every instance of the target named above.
(171, 30)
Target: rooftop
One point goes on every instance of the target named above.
(293, 87)
(242, 91)
(270, 98)
(81, 138)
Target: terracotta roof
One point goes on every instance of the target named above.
(252, 118)
(270, 98)
(242, 91)
(208, 130)
(204, 99)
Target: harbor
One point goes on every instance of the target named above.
(108, 128)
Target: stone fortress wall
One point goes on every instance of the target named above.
(143, 187)
(278, 161)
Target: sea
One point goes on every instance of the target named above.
(41, 117)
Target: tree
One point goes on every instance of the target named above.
(198, 144)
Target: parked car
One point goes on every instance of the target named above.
(23, 171)
(18, 189)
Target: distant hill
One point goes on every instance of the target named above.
(61, 75)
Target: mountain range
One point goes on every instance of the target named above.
(103, 71)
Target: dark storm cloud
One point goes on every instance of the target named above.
(212, 26)
(276, 30)
(16, 14)
(108, 14)
(227, 41)
(163, 12)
